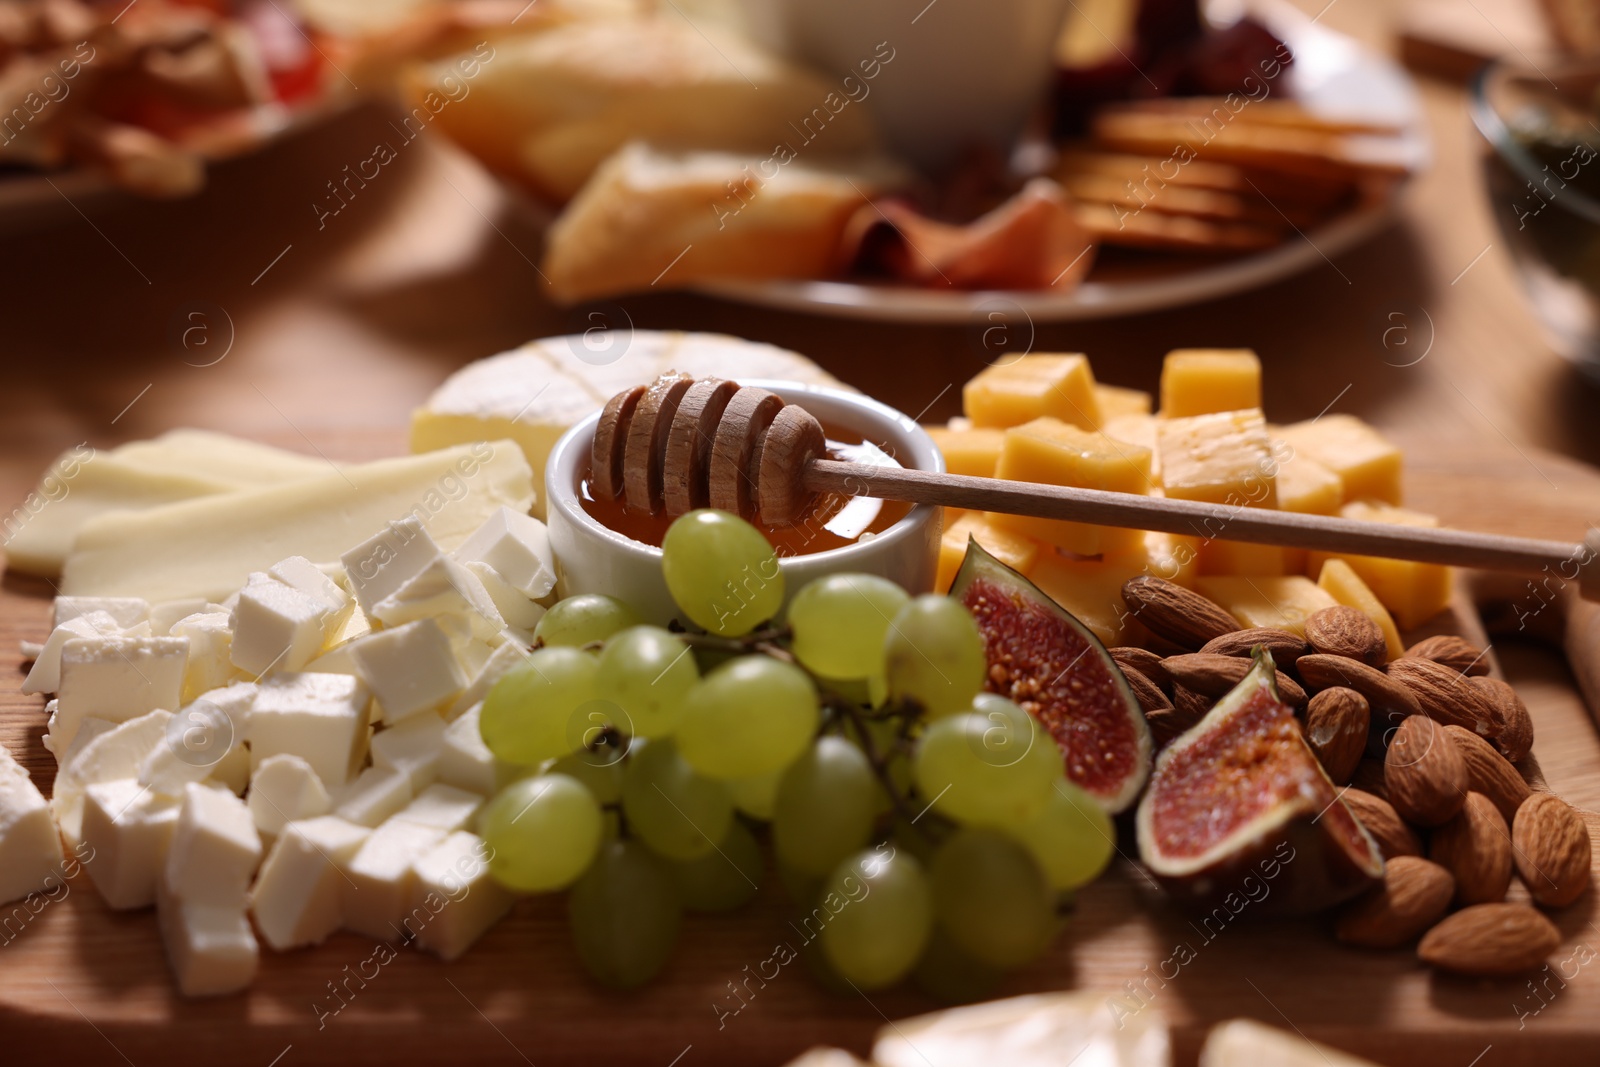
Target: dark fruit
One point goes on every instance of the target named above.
(1051, 664)
(1239, 813)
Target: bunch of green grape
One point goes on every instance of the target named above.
(921, 826)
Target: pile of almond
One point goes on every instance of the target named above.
(1427, 746)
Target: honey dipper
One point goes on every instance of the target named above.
(681, 444)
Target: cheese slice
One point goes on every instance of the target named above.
(235, 460)
(208, 547)
(1030, 1031)
(533, 394)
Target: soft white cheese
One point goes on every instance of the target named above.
(215, 848)
(375, 795)
(443, 807)
(45, 675)
(216, 455)
(210, 947)
(119, 678)
(129, 828)
(514, 607)
(276, 627)
(517, 547)
(128, 611)
(210, 665)
(205, 741)
(412, 748)
(499, 663)
(283, 789)
(30, 848)
(380, 878)
(296, 897)
(322, 718)
(165, 615)
(380, 565)
(446, 591)
(466, 762)
(300, 573)
(117, 752)
(455, 899)
(410, 668)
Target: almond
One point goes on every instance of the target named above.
(1552, 847)
(1490, 940)
(1319, 671)
(1446, 696)
(1393, 836)
(1426, 775)
(1457, 653)
(1336, 729)
(1285, 647)
(1165, 726)
(1149, 695)
(1490, 773)
(1144, 662)
(1212, 675)
(1180, 615)
(1414, 894)
(1345, 631)
(1189, 706)
(1475, 847)
(1513, 731)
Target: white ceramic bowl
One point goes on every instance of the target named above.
(592, 558)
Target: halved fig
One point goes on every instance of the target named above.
(1044, 659)
(1239, 812)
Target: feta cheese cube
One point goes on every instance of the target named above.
(443, 807)
(500, 661)
(410, 668)
(30, 848)
(300, 573)
(284, 789)
(296, 898)
(128, 611)
(443, 589)
(466, 762)
(322, 718)
(165, 615)
(380, 565)
(375, 795)
(54, 740)
(210, 664)
(456, 900)
(118, 751)
(210, 947)
(45, 676)
(129, 828)
(276, 627)
(232, 772)
(517, 546)
(380, 878)
(412, 748)
(198, 739)
(513, 605)
(120, 678)
(215, 848)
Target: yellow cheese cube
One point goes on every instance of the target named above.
(1014, 550)
(1222, 458)
(1413, 592)
(1280, 603)
(1092, 590)
(1347, 588)
(1010, 394)
(973, 452)
(1305, 485)
(1366, 463)
(1050, 451)
(1217, 557)
(1136, 430)
(1174, 557)
(1201, 381)
(1116, 401)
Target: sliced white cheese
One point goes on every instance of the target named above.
(215, 848)
(1247, 1043)
(208, 547)
(322, 718)
(296, 898)
(410, 668)
(30, 849)
(1028, 1031)
(283, 789)
(455, 899)
(411, 747)
(380, 878)
(128, 827)
(226, 458)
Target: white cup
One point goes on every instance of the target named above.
(592, 558)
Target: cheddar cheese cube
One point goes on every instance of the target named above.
(1281, 603)
(1413, 592)
(1367, 464)
(1218, 557)
(1346, 586)
(1175, 557)
(1221, 458)
(1010, 394)
(1014, 550)
(973, 452)
(1091, 589)
(1115, 401)
(1307, 486)
(1051, 451)
(1136, 430)
(1201, 381)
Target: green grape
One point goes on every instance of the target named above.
(674, 810)
(992, 898)
(753, 715)
(1071, 838)
(722, 572)
(825, 806)
(840, 621)
(994, 768)
(755, 796)
(600, 772)
(529, 714)
(934, 655)
(724, 879)
(951, 975)
(624, 914)
(544, 831)
(583, 620)
(878, 912)
(646, 671)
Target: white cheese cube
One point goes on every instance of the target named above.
(517, 546)
(410, 668)
(210, 665)
(276, 627)
(322, 718)
(118, 751)
(296, 897)
(380, 565)
(165, 615)
(300, 573)
(513, 605)
(232, 772)
(472, 657)
(45, 676)
(334, 661)
(442, 589)
(215, 848)
(210, 947)
(284, 789)
(500, 661)
(30, 848)
(380, 878)
(375, 795)
(128, 611)
(205, 742)
(129, 828)
(443, 807)
(455, 898)
(119, 678)
(412, 748)
(466, 762)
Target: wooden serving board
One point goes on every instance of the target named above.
(80, 983)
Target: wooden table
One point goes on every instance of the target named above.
(324, 338)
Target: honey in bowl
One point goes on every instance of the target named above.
(834, 520)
